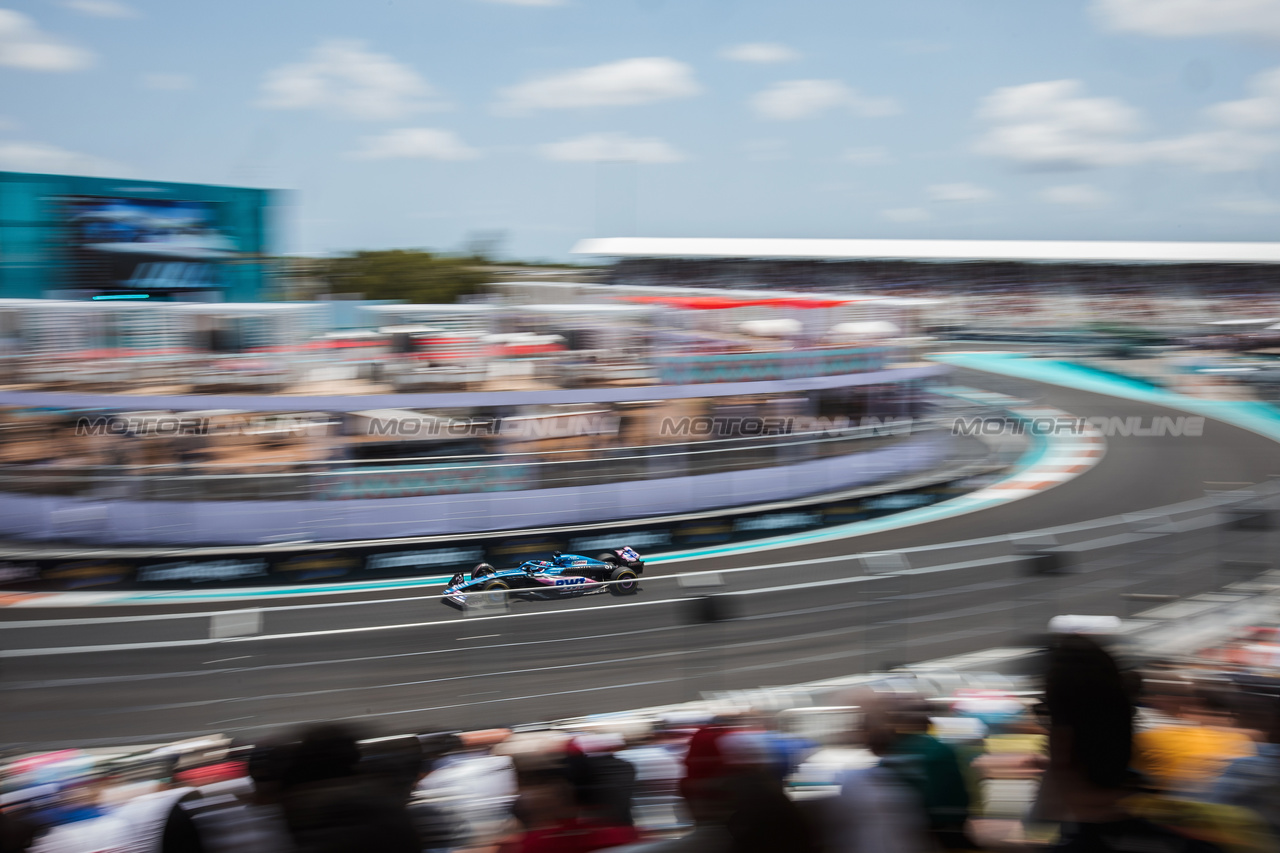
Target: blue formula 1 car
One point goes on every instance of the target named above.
(563, 576)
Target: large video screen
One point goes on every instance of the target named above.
(145, 245)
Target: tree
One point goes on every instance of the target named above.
(406, 275)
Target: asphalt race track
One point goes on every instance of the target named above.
(406, 662)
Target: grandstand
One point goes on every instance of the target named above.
(1157, 283)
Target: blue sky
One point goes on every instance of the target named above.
(394, 123)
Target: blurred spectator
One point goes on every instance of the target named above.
(69, 806)
(762, 818)
(1186, 753)
(16, 832)
(735, 799)
(933, 770)
(605, 784)
(440, 822)
(331, 808)
(476, 788)
(252, 823)
(657, 779)
(563, 807)
(156, 821)
(1090, 749)
(879, 809)
(1253, 782)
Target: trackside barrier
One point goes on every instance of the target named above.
(288, 562)
(1192, 531)
(1189, 529)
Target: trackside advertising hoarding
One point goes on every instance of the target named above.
(277, 566)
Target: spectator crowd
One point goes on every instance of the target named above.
(1100, 757)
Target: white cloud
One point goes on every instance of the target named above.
(1226, 150)
(627, 82)
(1249, 206)
(797, 99)
(1053, 125)
(24, 45)
(39, 157)
(1075, 195)
(873, 156)
(612, 147)
(415, 143)
(1240, 141)
(167, 82)
(959, 192)
(763, 53)
(344, 79)
(103, 8)
(1183, 18)
(1260, 111)
(906, 214)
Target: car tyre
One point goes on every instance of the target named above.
(495, 592)
(624, 581)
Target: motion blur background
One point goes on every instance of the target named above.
(904, 342)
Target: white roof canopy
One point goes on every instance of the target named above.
(1099, 251)
(587, 308)
(431, 308)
